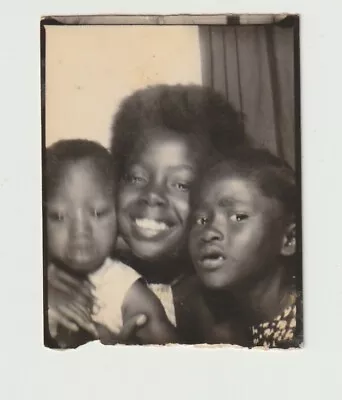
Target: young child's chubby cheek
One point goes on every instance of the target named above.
(81, 218)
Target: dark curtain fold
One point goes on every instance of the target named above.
(253, 67)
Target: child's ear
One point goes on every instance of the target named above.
(288, 247)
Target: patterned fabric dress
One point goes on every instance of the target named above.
(282, 331)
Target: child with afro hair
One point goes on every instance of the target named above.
(163, 137)
(187, 109)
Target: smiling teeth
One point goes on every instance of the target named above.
(151, 224)
(213, 257)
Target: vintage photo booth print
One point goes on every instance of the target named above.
(172, 180)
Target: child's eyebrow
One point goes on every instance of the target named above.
(171, 167)
(183, 166)
(228, 202)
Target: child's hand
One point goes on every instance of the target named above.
(145, 317)
(128, 333)
(69, 302)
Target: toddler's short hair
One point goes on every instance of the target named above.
(64, 153)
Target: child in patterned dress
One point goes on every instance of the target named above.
(243, 242)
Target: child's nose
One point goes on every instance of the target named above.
(80, 225)
(154, 195)
(212, 231)
(211, 235)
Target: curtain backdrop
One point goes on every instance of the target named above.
(253, 66)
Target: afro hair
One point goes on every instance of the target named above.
(187, 109)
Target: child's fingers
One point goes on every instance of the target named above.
(86, 290)
(58, 275)
(84, 286)
(56, 318)
(83, 301)
(71, 290)
(130, 328)
(58, 295)
(71, 312)
(88, 285)
(106, 336)
(68, 295)
(61, 286)
(81, 310)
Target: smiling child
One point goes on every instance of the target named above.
(162, 137)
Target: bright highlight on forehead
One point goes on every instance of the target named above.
(165, 146)
(230, 188)
(239, 178)
(82, 176)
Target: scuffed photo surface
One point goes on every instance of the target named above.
(172, 192)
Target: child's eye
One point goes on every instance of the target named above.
(202, 220)
(183, 187)
(135, 179)
(239, 217)
(55, 216)
(99, 213)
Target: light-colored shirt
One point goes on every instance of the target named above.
(112, 282)
(165, 295)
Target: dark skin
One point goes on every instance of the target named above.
(209, 317)
(153, 203)
(143, 316)
(70, 300)
(237, 241)
(153, 206)
(81, 224)
(81, 227)
(156, 329)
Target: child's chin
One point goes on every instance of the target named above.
(213, 281)
(148, 252)
(154, 252)
(85, 267)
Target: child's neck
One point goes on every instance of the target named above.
(267, 297)
(79, 275)
(162, 271)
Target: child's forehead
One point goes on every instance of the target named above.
(225, 173)
(88, 169)
(227, 185)
(223, 184)
(82, 175)
(160, 137)
(238, 192)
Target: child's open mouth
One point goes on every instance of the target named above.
(150, 228)
(212, 259)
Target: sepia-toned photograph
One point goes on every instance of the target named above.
(171, 192)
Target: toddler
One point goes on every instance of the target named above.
(81, 231)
